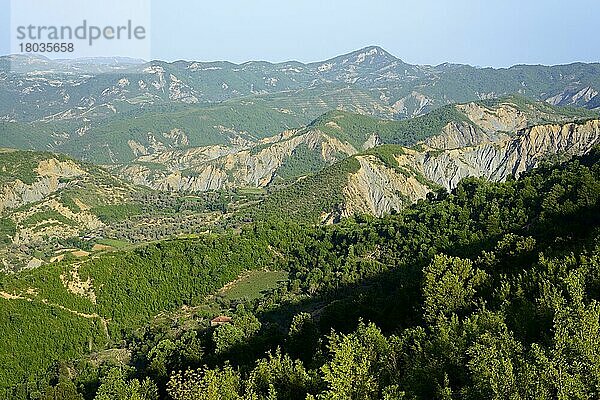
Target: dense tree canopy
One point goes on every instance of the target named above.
(489, 292)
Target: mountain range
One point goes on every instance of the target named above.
(353, 228)
(339, 165)
(130, 109)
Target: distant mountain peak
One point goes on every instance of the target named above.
(372, 55)
(375, 50)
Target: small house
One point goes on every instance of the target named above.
(220, 320)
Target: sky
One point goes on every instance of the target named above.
(477, 32)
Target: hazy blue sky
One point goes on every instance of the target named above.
(478, 32)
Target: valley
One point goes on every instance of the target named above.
(358, 227)
(390, 165)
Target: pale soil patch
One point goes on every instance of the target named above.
(101, 247)
(9, 296)
(77, 286)
(74, 312)
(60, 251)
(58, 258)
(333, 125)
(82, 206)
(113, 356)
(34, 263)
(277, 253)
(13, 296)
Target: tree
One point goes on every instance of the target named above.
(494, 366)
(358, 366)
(64, 390)
(449, 286)
(160, 358)
(206, 384)
(280, 377)
(303, 336)
(116, 386)
(227, 336)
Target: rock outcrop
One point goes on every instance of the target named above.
(246, 163)
(50, 173)
(506, 157)
(377, 189)
(218, 167)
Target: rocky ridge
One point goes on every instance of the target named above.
(264, 162)
(223, 167)
(377, 189)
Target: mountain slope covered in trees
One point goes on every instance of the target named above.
(113, 113)
(490, 291)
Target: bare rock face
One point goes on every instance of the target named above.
(574, 97)
(50, 172)
(377, 189)
(244, 165)
(413, 105)
(508, 156)
(505, 118)
(457, 135)
(371, 142)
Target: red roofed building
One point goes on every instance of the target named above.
(220, 320)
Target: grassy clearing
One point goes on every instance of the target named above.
(117, 244)
(252, 285)
(251, 191)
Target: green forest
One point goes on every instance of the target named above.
(488, 292)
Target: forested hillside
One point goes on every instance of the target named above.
(490, 291)
(320, 227)
(107, 113)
